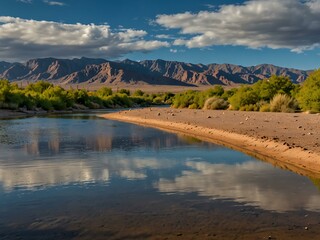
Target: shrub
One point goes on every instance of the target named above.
(138, 93)
(39, 86)
(309, 95)
(104, 92)
(167, 97)
(125, 91)
(193, 106)
(283, 103)
(122, 100)
(244, 96)
(249, 107)
(215, 91)
(227, 94)
(215, 103)
(265, 108)
(157, 100)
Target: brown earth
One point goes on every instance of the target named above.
(288, 140)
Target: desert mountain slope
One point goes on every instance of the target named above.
(158, 72)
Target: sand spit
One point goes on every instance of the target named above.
(288, 140)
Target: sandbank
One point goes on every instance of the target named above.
(287, 140)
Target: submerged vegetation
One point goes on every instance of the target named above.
(276, 94)
(46, 96)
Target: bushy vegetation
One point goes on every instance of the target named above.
(215, 103)
(276, 94)
(195, 99)
(46, 96)
(309, 94)
(283, 103)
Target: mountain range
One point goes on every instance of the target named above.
(155, 72)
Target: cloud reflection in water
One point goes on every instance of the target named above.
(46, 152)
(254, 183)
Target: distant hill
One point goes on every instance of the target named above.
(158, 72)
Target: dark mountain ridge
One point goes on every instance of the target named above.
(157, 72)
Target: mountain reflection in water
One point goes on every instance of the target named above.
(39, 153)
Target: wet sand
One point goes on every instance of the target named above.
(287, 140)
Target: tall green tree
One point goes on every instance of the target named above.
(309, 95)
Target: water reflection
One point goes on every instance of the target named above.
(39, 153)
(39, 174)
(252, 183)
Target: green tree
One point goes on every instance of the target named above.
(104, 92)
(309, 95)
(243, 97)
(138, 93)
(268, 88)
(39, 86)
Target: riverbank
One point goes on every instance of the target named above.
(4, 113)
(287, 140)
(7, 114)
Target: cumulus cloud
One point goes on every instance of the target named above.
(22, 39)
(290, 24)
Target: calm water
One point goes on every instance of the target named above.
(82, 177)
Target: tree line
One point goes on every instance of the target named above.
(277, 94)
(46, 96)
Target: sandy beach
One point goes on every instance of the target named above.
(287, 140)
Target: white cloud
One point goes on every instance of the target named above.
(164, 36)
(25, 1)
(22, 39)
(211, 6)
(54, 3)
(291, 24)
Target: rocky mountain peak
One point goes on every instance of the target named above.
(79, 70)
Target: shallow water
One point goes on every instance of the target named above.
(82, 177)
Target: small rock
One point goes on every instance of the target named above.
(300, 127)
(209, 117)
(159, 114)
(269, 237)
(306, 228)
(172, 115)
(241, 122)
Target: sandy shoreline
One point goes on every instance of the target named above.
(290, 141)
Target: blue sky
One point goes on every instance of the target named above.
(280, 32)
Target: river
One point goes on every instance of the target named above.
(82, 177)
